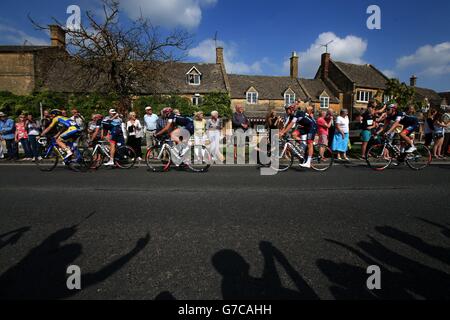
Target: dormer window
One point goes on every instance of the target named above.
(194, 77)
(252, 96)
(324, 101)
(289, 97)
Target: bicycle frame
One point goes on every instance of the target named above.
(54, 147)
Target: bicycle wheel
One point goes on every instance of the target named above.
(419, 159)
(285, 160)
(322, 158)
(125, 157)
(47, 160)
(198, 159)
(157, 159)
(86, 160)
(379, 157)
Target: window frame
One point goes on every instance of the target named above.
(366, 94)
(327, 99)
(291, 95)
(251, 93)
(195, 76)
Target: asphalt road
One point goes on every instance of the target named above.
(227, 234)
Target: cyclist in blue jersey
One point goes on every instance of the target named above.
(113, 125)
(305, 129)
(409, 122)
(70, 131)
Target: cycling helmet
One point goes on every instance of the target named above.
(56, 112)
(392, 106)
(167, 111)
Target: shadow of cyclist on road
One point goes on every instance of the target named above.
(41, 274)
(237, 284)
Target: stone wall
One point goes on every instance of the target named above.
(17, 73)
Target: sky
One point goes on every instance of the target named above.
(259, 36)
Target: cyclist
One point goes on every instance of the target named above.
(70, 131)
(176, 122)
(409, 122)
(113, 125)
(305, 131)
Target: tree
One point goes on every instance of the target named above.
(113, 58)
(402, 94)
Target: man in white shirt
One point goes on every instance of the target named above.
(150, 125)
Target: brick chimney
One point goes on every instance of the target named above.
(57, 36)
(219, 56)
(413, 81)
(325, 65)
(294, 65)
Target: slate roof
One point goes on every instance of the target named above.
(364, 75)
(173, 78)
(268, 87)
(65, 76)
(315, 87)
(433, 97)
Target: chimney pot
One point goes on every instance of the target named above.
(413, 81)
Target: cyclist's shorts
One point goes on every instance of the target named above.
(117, 139)
(71, 134)
(310, 136)
(365, 135)
(411, 129)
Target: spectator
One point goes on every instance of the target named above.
(78, 118)
(273, 122)
(438, 136)
(199, 128)
(239, 121)
(341, 135)
(332, 128)
(45, 123)
(367, 125)
(33, 130)
(161, 123)
(429, 126)
(7, 131)
(2, 155)
(446, 145)
(21, 136)
(214, 127)
(150, 125)
(323, 126)
(134, 131)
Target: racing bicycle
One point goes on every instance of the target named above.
(50, 154)
(161, 156)
(124, 158)
(291, 150)
(380, 156)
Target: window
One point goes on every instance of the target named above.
(196, 100)
(252, 97)
(387, 98)
(289, 98)
(364, 96)
(194, 79)
(324, 102)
